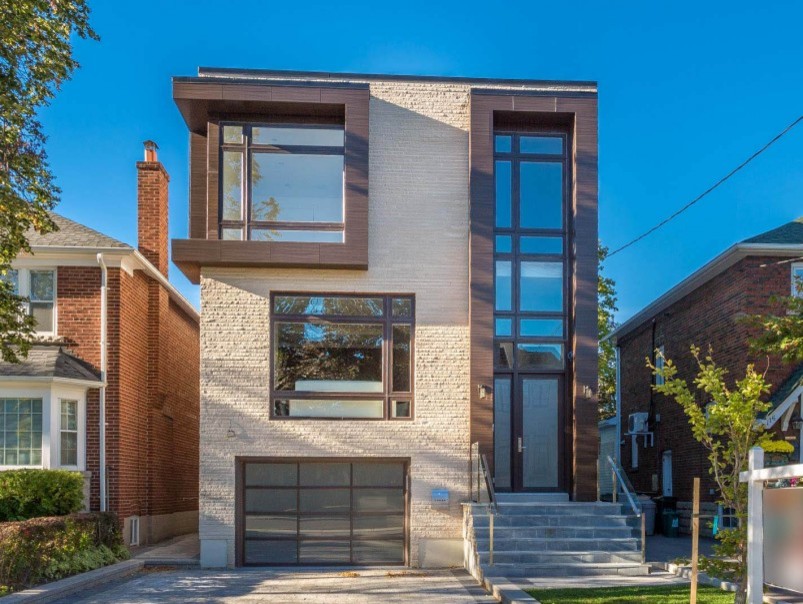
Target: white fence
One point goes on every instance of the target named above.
(755, 478)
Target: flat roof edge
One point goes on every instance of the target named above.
(231, 71)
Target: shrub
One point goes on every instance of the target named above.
(46, 549)
(36, 493)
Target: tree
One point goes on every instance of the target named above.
(727, 425)
(606, 307)
(35, 59)
(781, 333)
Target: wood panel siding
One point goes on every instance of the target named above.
(577, 113)
(204, 104)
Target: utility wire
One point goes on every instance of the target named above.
(775, 139)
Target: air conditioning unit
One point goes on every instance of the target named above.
(637, 423)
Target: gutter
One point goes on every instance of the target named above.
(104, 297)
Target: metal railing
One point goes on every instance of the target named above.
(620, 481)
(484, 484)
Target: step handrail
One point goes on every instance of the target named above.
(619, 476)
(489, 485)
(484, 475)
(627, 488)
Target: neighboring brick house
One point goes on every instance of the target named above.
(705, 309)
(50, 403)
(392, 268)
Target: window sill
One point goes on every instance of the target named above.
(192, 254)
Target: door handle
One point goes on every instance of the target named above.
(521, 445)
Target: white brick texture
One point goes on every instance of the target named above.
(418, 244)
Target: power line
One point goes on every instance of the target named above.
(775, 139)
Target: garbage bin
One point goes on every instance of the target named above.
(648, 509)
(663, 504)
(671, 523)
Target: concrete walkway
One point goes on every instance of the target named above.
(312, 586)
(184, 550)
(669, 549)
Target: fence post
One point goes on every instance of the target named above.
(695, 538)
(755, 531)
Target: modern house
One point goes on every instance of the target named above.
(658, 450)
(116, 352)
(392, 268)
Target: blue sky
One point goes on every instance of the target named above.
(687, 91)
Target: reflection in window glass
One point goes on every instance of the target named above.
(20, 432)
(232, 234)
(547, 145)
(69, 433)
(310, 136)
(12, 277)
(401, 409)
(540, 356)
(541, 196)
(402, 307)
(797, 280)
(233, 134)
(503, 143)
(503, 285)
(328, 305)
(232, 185)
(401, 358)
(504, 244)
(328, 358)
(503, 194)
(541, 245)
(541, 286)
(297, 236)
(42, 298)
(547, 328)
(337, 408)
(504, 355)
(295, 187)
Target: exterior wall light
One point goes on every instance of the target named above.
(482, 389)
(230, 433)
(796, 422)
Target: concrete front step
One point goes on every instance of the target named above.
(564, 570)
(524, 544)
(560, 509)
(540, 520)
(555, 533)
(532, 497)
(559, 558)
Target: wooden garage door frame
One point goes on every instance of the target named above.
(239, 520)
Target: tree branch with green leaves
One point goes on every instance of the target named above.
(606, 307)
(36, 58)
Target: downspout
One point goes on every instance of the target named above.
(102, 402)
(618, 395)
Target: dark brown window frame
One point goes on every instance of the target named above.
(204, 103)
(248, 148)
(386, 320)
(515, 256)
(240, 514)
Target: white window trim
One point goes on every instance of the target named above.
(796, 266)
(24, 290)
(51, 395)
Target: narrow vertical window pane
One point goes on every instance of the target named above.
(541, 195)
(232, 185)
(502, 433)
(504, 282)
(541, 286)
(12, 277)
(503, 194)
(401, 358)
(42, 286)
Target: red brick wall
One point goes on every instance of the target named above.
(707, 317)
(152, 181)
(152, 398)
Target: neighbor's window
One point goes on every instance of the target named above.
(20, 431)
(39, 287)
(69, 433)
(342, 356)
(282, 182)
(659, 365)
(797, 279)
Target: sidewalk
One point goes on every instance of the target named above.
(184, 550)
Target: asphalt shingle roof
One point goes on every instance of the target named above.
(50, 362)
(73, 234)
(788, 234)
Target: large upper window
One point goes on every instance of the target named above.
(20, 431)
(39, 287)
(342, 356)
(282, 182)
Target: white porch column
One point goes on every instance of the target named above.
(755, 530)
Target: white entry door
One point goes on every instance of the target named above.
(666, 473)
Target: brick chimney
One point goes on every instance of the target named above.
(152, 181)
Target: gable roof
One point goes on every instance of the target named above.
(48, 362)
(73, 234)
(784, 398)
(784, 241)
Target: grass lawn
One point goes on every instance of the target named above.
(662, 594)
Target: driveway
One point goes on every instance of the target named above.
(277, 586)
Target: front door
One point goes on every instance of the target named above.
(528, 420)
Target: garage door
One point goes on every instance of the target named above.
(322, 512)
